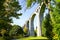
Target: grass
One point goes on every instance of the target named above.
(33, 38)
(29, 38)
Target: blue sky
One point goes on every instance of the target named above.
(26, 13)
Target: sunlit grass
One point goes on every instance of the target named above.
(33, 38)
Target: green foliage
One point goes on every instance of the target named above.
(42, 10)
(11, 8)
(53, 21)
(46, 1)
(8, 9)
(16, 31)
(55, 18)
(29, 2)
(47, 25)
(40, 1)
(57, 0)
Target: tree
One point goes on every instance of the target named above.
(47, 27)
(16, 31)
(55, 17)
(8, 9)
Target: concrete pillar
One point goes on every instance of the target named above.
(31, 27)
(38, 26)
(39, 21)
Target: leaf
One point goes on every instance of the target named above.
(57, 0)
(29, 3)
